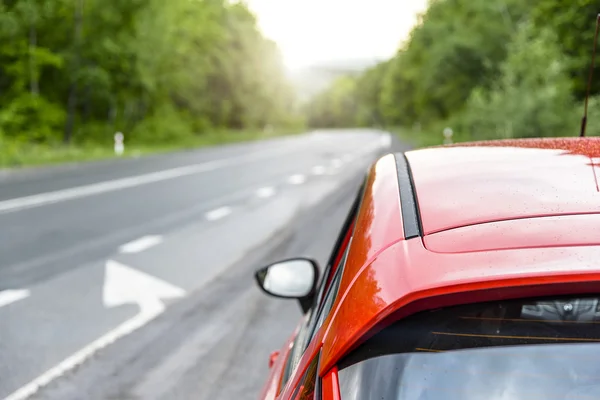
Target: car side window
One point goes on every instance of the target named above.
(334, 267)
(307, 387)
(294, 354)
(313, 321)
(330, 297)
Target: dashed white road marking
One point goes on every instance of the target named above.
(336, 163)
(12, 295)
(297, 179)
(318, 170)
(41, 199)
(218, 213)
(141, 244)
(265, 192)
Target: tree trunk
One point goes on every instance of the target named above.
(86, 103)
(72, 101)
(33, 78)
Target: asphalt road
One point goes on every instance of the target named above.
(133, 279)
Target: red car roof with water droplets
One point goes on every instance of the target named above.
(473, 183)
(387, 276)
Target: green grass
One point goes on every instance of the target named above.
(417, 138)
(431, 136)
(22, 155)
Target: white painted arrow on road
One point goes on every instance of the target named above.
(122, 285)
(125, 285)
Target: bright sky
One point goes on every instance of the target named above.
(313, 31)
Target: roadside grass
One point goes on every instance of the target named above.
(431, 136)
(16, 155)
(415, 137)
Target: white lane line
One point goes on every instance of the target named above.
(123, 183)
(103, 187)
(122, 285)
(218, 213)
(141, 244)
(124, 234)
(297, 179)
(336, 163)
(11, 295)
(318, 170)
(265, 192)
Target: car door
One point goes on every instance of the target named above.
(292, 352)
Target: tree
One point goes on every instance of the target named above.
(490, 69)
(526, 101)
(335, 107)
(574, 23)
(78, 70)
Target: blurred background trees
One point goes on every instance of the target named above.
(487, 68)
(76, 71)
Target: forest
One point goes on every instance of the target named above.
(165, 73)
(488, 69)
(186, 73)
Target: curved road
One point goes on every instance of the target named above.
(132, 279)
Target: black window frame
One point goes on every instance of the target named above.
(317, 391)
(562, 322)
(328, 300)
(296, 353)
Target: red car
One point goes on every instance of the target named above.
(463, 272)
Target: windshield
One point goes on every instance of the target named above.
(495, 351)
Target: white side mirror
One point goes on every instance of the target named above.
(292, 279)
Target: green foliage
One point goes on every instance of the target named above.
(164, 126)
(79, 70)
(488, 69)
(335, 107)
(593, 123)
(525, 101)
(30, 118)
(457, 47)
(574, 23)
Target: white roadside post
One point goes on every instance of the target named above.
(448, 135)
(119, 146)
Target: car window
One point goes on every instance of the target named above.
(342, 244)
(342, 251)
(313, 321)
(330, 297)
(521, 349)
(295, 353)
(336, 259)
(307, 387)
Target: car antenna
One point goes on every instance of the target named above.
(589, 85)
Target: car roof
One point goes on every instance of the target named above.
(427, 217)
(479, 182)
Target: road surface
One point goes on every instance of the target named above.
(132, 279)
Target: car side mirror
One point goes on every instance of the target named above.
(295, 278)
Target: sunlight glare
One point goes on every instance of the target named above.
(317, 31)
